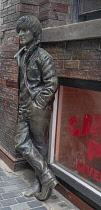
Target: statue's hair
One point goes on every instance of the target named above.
(30, 23)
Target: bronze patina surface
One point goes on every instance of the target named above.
(37, 85)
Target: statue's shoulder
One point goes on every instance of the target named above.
(43, 54)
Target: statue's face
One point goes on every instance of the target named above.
(26, 37)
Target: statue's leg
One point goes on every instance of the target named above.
(39, 127)
(35, 188)
(25, 146)
(22, 144)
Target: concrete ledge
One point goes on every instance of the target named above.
(75, 31)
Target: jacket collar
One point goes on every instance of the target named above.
(28, 51)
(19, 52)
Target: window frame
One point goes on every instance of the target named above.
(77, 17)
(79, 187)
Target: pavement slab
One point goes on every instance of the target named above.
(14, 184)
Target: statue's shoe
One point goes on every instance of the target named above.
(46, 190)
(34, 189)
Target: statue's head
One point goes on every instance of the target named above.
(29, 29)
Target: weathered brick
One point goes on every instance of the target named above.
(69, 10)
(44, 16)
(83, 45)
(63, 73)
(6, 102)
(90, 44)
(71, 64)
(98, 65)
(15, 70)
(11, 84)
(11, 10)
(13, 77)
(16, 40)
(54, 55)
(26, 8)
(78, 74)
(10, 91)
(94, 75)
(43, 1)
(32, 2)
(88, 65)
(59, 64)
(6, 76)
(8, 62)
(11, 40)
(67, 55)
(12, 47)
(94, 55)
(1, 35)
(80, 55)
(59, 7)
(4, 41)
(12, 17)
(6, 4)
(45, 7)
(1, 6)
(11, 69)
(63, 16)
(51, 23)
(7, 54)
(54, 15)
(4, 13)
(2, 82)
(15, 99)
(10, 33)
(3, 27)
(11, 25)
(2, 69)
(1, 21)
(15, 1)
(63, 2)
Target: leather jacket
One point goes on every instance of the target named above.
(39, 75)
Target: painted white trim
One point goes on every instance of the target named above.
(77, 180)
(53, 130)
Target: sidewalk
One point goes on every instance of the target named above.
(14, 184)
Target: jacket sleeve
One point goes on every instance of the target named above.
(50, 83)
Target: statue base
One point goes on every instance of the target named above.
(15, 164)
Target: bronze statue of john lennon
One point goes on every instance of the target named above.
(37, 86)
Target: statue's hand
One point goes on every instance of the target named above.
(37, 106)
(33, 108)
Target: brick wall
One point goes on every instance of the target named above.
(77, 59)
(54, 12)
(10, 11)
(8, 76)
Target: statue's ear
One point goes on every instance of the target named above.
(38, 39)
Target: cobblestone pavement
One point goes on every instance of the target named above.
(14, 184)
